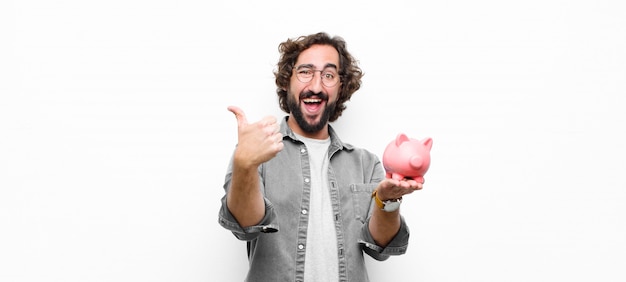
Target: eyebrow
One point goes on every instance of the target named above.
(311, 66)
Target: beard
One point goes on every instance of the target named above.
(298, 115)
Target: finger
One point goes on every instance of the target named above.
(279, 146)
(269, 120)
(239, 114)
(279, 137)
(270, 125)
(417, 185)
(420, 186)
(412, 182)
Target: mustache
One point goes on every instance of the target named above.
(309, 94)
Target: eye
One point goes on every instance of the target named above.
(305, 72)
(329, 75)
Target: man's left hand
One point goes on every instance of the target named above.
(390, 189)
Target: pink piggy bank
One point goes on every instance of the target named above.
(406, 157)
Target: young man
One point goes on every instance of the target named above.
(308, 204)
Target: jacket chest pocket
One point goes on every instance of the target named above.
(361, 197)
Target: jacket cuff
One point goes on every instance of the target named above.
(397, 246)
(267, 225)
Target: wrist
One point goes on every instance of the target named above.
(388, 205)
(242, 160)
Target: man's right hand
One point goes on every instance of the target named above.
(257, 142)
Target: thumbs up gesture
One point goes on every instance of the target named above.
(257, 142)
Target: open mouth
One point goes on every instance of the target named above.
(313, 105)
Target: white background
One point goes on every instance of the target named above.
(114, 133)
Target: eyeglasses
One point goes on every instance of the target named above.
(330, 77)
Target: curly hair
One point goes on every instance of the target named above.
(349, 70)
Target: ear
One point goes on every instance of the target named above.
(401, 138)
(428, 142)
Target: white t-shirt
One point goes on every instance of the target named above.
(321, 261)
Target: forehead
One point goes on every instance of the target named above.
(319, 56)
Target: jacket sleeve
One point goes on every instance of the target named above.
(227, 220)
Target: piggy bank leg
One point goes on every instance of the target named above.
(397, 176)
(419, 179)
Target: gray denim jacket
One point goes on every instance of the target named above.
(277, 245)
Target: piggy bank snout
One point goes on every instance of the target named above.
(416, 162)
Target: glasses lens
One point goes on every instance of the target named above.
(304, 75)
(329, 78)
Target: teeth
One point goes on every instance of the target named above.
(311, 100)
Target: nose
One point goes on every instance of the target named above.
(315, 84)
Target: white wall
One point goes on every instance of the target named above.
(114, 133)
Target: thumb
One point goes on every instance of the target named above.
(239, 114)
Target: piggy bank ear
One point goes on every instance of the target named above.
(428, 142)
(401, 138)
